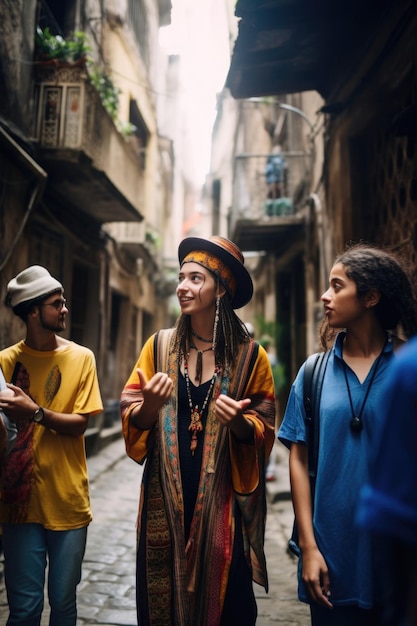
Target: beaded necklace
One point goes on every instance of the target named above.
(196, 425)
(201, 338)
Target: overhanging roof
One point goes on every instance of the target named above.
(275, 236)
(75, 181)
(289, 46)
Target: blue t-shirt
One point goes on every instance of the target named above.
(343, 468)
(388, 503)
(274, 169)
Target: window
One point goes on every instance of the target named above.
(58, 15)
(141, 133)
(138, 21)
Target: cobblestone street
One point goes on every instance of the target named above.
(107, 592)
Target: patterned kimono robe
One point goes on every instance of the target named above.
(186, 584)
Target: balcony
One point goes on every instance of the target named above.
(91, 166)
(264, 218)
(138, 240)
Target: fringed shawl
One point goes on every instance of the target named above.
(191, 580)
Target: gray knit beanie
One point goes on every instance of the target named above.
(32, 283)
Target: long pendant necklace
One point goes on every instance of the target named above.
(356, 421)
(196, 425)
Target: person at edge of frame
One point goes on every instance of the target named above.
(388, 502)
(370, 295)
(45, 504)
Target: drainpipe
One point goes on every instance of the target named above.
(314, 217)
(293, 109)
(40, 175)
(317, 209)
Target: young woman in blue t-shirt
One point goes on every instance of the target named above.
(370, 294)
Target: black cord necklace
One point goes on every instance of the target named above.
(194, 334)
(356, 421)
(199, 364)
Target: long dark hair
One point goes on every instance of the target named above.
(373, 267)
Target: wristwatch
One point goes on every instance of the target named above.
(38, 415)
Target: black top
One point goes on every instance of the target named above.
(190, 464)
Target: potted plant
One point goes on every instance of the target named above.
(55, 49)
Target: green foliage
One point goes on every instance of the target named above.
(49, 46)
(152, 238)
(280, 378)
(126, 128)
(270, 332)
(109, 94)
(55, 47)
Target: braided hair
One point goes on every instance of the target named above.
(231, 333)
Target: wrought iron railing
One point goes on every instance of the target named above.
(254, 198)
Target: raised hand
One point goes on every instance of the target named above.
(156, 392)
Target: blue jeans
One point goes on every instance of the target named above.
(27, 547)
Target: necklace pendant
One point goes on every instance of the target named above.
(195, 424)
(356, 424)
(356, 421)
(195, 419)
(193, 444)
(195, 427)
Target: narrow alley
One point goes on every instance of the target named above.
(107, 592)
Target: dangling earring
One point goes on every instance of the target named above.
(216, 322)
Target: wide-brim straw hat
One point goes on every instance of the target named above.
(229, 254)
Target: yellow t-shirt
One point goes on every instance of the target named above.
(63, 380)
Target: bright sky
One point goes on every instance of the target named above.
(199, 34)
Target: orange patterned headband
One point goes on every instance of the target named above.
(216, 267)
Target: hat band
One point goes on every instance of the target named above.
(216, 267)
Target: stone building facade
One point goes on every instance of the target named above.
(361, 59)
(86, 184)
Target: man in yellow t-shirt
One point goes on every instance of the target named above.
(44, 499)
